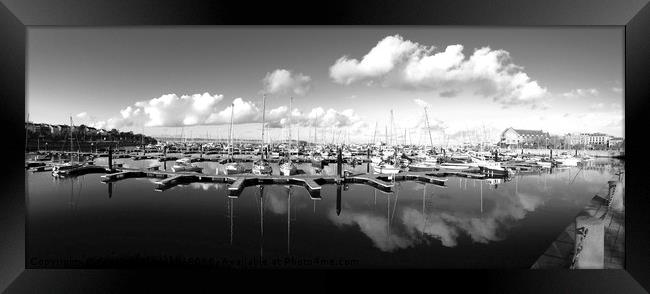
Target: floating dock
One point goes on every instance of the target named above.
(236, 183)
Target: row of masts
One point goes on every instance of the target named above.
(389, 137)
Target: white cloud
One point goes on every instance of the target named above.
(316, 117)
(204, 109)
(395, 62)
(172, 110)
(240, 110)
(381, 60)
(617, 89)
(578, 93)
(82, 115)
(284, 81)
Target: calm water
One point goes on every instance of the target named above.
(82, 222)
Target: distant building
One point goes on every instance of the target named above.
(598, 139)
(523, 138)
(591, 140)
(575, 139)
(39, 129)
(614, 141)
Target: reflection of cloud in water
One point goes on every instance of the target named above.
(445, 226)
(529, 202)
(277, 200)
(205, 186)
(431, 224)
(375, 227)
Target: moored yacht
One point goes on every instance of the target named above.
(288, 168)
(185, 165)
(233, 168)
(262, 167)
(60, 169)
(568, 161)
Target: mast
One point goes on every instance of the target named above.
(374, 134)
(71, 147)
(232, 112)
(290, 100)
(391, 127)
(386, 127)
(263, 118)
(426, 116)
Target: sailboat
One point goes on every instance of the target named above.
(185, 165)
(262, 166)
(429, 163)
(384, 164)
(232, 167)
(287, 167)
(61, 169)
(317, 159)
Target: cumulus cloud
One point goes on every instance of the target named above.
(316, 117)
(617, 89)
(240, 110)
(578, 93)
(395, 62)
(284, 81)
(204, 109)
(169, 110)
(82, 115)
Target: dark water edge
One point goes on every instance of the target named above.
(467, 224)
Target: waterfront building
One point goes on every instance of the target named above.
(576, 139)
(515, 138)
(616, 141)
(598, 139)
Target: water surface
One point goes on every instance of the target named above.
(82, 222)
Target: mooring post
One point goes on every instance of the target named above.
(201, 156)
(551, 154)
(110, 158)
(164, 157)
(339, 162)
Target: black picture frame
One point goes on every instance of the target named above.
(17, 15)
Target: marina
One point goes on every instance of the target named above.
(372, 148)
(322, 186)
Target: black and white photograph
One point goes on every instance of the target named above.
(330, 147)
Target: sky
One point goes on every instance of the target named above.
(474, 82)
